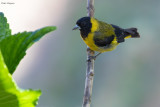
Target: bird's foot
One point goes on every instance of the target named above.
(91, 58)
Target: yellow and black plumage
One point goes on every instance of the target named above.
(101, 36)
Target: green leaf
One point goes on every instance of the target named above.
(14, 47)
(4, 27)
(10, 94)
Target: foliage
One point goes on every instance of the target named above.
(12, 50)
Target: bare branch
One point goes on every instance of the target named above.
(90, 64)
(90, 8)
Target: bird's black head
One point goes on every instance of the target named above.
(84, 25)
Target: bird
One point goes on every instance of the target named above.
(101, 36)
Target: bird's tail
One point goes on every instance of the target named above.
(131, 33)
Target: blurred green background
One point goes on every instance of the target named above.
(125, 77)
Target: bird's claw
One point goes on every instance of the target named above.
(91, 58)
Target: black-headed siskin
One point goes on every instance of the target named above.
(101, 36)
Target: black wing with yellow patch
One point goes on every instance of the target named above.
(119, 33)
(101, 40)
(105, 35)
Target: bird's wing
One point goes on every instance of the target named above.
(104, 35)
(102, 40)
(119, 32)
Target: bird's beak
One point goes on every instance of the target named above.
(76, 27)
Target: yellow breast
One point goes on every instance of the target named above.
(89, 39)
